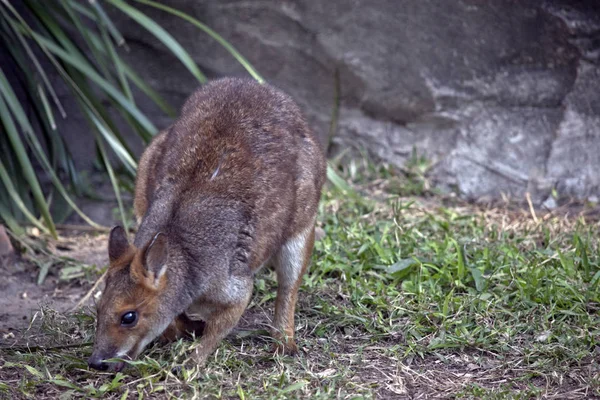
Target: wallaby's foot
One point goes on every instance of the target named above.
(187, 368)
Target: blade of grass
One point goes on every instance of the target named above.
(85, 32)
(124, 85)
(44, 269)
(26, 127)
(460, 260)
(585, 262)
(123, 155)
(47, 108)
(109, 169)
(7, 216)
(72, 49)
(27, 168)
(87, 100)
(106, 86)
(14, 195)
(161, 34)
(129, 73)
(32, 56)
(50, 49)
(81, 9)
(53, 139)
(114, 32)
(241, 59)
(138, 81)
(339, 183)
(118, 65)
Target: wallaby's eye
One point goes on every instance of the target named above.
(129, 318)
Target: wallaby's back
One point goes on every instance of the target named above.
(236, 142)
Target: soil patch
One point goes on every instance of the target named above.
(22, 299)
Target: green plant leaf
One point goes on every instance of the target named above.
(108, 23)
(31, 54)
(339, 183)
(106, 86)
(18, 111)
(108, 166)
(27, 168)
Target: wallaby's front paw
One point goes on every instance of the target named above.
(187, 370)
(190, 367)
(197, 358)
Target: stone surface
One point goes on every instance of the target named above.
(6, 247)
(501, 95)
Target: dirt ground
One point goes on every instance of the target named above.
(21, 298)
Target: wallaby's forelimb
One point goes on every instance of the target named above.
(218, 325)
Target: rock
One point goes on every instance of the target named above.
(550, 203)
(319, 234)
(6, 247)
(500, 95)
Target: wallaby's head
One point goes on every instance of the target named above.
(131, 312)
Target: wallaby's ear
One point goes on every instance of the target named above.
(155, 259)
(117, 243)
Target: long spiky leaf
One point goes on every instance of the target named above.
(109, 168)
(26, 127)
(81, 96)
(137, 80)
(89, 72)
(27, 168)
(108, 22)
(31, 55)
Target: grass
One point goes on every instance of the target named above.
(407, 297)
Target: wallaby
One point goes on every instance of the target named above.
(232, 185)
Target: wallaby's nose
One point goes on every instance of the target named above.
(97, 363)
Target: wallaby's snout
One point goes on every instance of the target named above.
(97, 361)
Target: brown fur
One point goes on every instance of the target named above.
(233, 183)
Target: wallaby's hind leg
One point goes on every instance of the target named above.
(291, 262)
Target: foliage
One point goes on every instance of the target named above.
(79, 42)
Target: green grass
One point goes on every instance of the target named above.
(406, 297)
